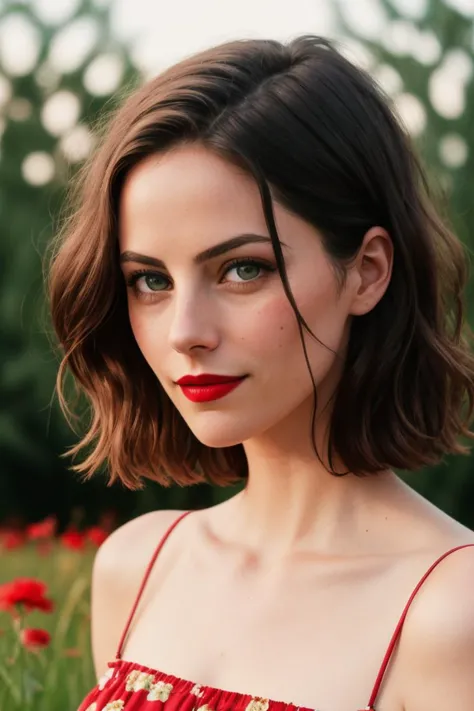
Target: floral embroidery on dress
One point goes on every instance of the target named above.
(105, 678)
(114, 706)
(197, 690)
(160, 691)
(258, 704)
(139, 681)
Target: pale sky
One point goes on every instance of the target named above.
(167, 31)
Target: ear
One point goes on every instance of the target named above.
(371, 270)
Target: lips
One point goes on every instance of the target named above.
(208, 379)
(204, 388)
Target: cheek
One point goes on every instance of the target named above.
(145, 332)
(273, 326)
(137, 324)
(276, 331)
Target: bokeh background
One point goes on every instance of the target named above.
(63, 65)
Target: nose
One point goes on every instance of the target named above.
(194, 323)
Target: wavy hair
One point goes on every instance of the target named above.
(306, 123)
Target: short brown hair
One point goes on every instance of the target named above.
(301, 118)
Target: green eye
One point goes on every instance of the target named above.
(247, 270)
(152, 281)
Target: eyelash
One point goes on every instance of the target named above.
(238, 262)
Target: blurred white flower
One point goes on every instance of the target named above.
(453, 150)
(366, 17)
(458, 63)
(388, 78)
(412, 112)
(71, 46)
(54, 13)
(446, 94)
(399, 37)
(357, 52)
(38, 168)
(465, 7)
(46, 77)
(19, 44)
(411, 8)
(447, 84)
(427, 48)
(60, 112)
(103, 75)
(77, 143)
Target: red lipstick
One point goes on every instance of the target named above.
(206, 386)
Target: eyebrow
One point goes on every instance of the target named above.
(216, 251)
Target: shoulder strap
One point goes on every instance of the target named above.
(144, 581)
(396, 634)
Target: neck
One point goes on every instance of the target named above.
(292, 503)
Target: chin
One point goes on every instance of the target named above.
(217, 440)
(218, 434)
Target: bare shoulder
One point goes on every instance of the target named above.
(118, 569)
(437, 641)
(122, 543)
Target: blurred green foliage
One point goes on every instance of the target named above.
(34, 480)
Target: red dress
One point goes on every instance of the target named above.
(134, 687)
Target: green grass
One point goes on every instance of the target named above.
(65, 680)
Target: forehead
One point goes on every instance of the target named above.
(185, 200)
(186, 184)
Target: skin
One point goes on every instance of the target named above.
(200, 323)
(309, 570)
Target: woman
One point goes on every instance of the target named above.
(340, 356)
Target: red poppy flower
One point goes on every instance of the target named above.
(13, 539)
(96, 535)
(42, 529)
(73, 539)
(27, 592)
(33, 638)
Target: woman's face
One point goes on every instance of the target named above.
(193, 315)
